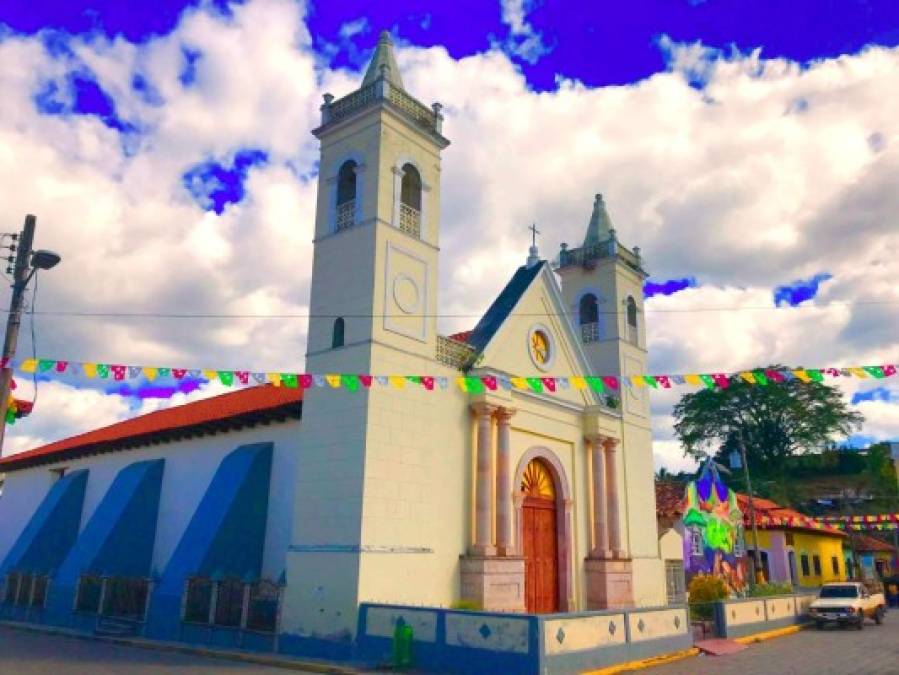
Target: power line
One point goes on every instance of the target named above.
(202, 315)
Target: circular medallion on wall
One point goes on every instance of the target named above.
(541, 347)
(406, 293)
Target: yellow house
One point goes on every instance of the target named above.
(794, 553)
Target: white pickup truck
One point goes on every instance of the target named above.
(848, 602)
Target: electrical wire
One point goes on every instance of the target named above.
(198, 315)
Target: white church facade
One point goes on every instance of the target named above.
(311, 521)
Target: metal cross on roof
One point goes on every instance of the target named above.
(534, 233)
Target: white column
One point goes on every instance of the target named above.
(612, 494)
(503, 482)
(600, 510)
(483, 536)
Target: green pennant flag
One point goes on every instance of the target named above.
(874, 371)
(535, 383)
(595, 383)
(10, 417)
(226, 377)
(102, 370)
(651, 381)
(350, 382)
(760, 377)
(414, 379)
(45, 364)
(816, 375)
(163, 372)
(709, 381)
(289, 380)
(474, 385)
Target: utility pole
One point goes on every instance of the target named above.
(14, 320)
(757, 555)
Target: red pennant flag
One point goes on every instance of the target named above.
(610, 381)
(889, 370)
(721, 380)
(118, 372)
(179, 372)
(833, 372)
(365, 380)
(427, 382)
(664, 380)
(61, 366)
(549, 383)
(489, 382)
(4, 362)
(774, 375)
(306, 380)
(243, 376)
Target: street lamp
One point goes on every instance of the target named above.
(26, 265)
(738, 461)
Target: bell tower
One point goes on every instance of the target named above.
(358, 526)
(602, 284)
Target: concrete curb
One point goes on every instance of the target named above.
(225, 654)
(644, 663)
(771, 634)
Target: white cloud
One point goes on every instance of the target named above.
(523, 41)
(739, 185)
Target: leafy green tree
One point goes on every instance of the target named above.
(776, 421)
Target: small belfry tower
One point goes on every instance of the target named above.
(373, 307)
(602, 284)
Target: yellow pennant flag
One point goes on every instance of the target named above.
(397, 381)
(858, 372)
(28, 365)
(211, 374)
(461, 382)
(802, 375)
(151, 373)
(578, 382)
(274, 378)
(749, 377)
(639, 381)
(333, 380)
(90, 369)
(692, 379)
(519, 382)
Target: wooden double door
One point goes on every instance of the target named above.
(541, 554)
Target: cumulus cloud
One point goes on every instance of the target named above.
(523, 40)
(743, 172)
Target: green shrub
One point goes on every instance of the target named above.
(762, 590)
(705, 590)
(468, 605)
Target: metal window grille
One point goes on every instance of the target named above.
(125, 598)
(816, 561)
(695, 542)
(346, 215)
(23, 599)
(89, 589)
(229, 603)
(675, 581)
(410, 220)
(262, 613)
(12, 588)
(39, 594)
(199, 600)
(590, 332)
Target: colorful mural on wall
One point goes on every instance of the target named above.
(713, 530)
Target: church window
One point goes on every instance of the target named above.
(588, 316)
(89, 588)
(537, 480)
(12, 588)
(125, 597)
(695, 541)
(410, 201)
(199, 600)
(337, 336)
(346, 195)
(229, 603)
(632, 334)
(262, 612)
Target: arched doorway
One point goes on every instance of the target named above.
(539, 538)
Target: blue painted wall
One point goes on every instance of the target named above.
(49, 535)
(225, 536)
(117, 541)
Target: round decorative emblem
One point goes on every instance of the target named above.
(541, 347)
(406, 293)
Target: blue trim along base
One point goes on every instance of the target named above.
(225, 536)
(52, 530)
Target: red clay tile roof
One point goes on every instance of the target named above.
(461, 337)
(865, 543)
(669, 499)
(232, 410)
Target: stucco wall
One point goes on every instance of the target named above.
(189, 467)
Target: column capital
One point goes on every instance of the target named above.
(610, 444)
(483, 409)
(504, 414)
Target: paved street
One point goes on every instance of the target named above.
(872, 651)
(26, 653)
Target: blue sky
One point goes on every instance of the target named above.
(751, 154)
(597, 43)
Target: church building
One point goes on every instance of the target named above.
(292, 520)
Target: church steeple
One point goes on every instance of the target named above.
(600, 227)
(383, 61)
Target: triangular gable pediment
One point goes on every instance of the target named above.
(532, 301)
